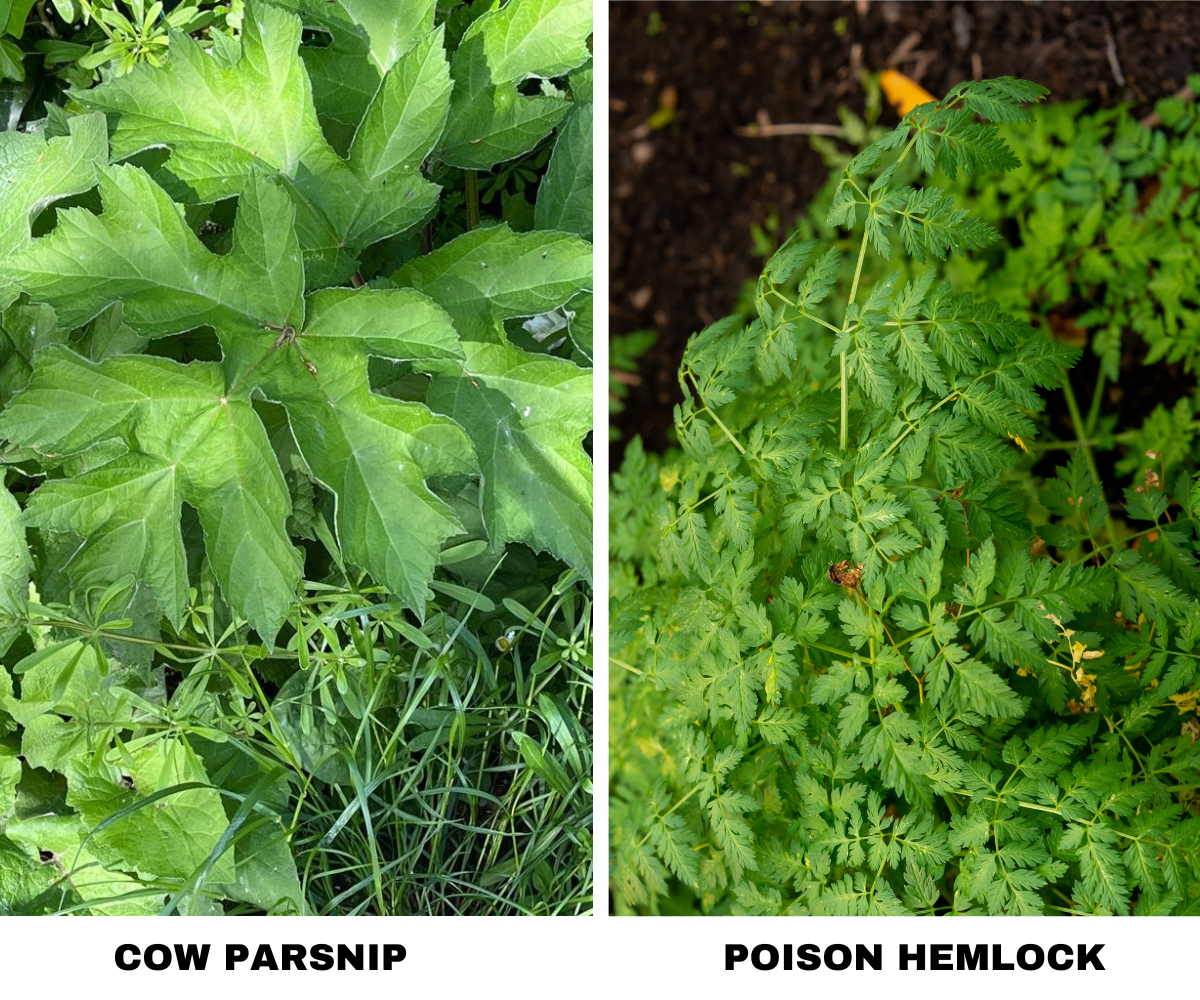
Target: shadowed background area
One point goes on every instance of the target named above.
(687, 189)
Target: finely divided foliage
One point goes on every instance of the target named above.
(220, 310)
(850, 675)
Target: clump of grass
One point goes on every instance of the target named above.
(467, 780)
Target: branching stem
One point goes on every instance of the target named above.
(1082, 435)
(862, 253)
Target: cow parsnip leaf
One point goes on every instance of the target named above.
(73, 868)
(10, 776)
(258, 116)
(528, 415)
(15, 567)
(169, 836)
(23, 880)
(35, 172)
(188, 441)
(565, 193)
(581, 322)
(490, 275)
(362, 41)
(67, 699)
(490, 119)
(141, 253)
(372, 452)
(264, 869)
(25, 329)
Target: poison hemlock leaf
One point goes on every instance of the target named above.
(955, 721)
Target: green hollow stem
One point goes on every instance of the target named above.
(1094, 411)
(862, 253)
(472, 185)
(1092, 442)
(845, 405)
(1080, 433)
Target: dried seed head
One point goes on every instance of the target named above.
(844, 575)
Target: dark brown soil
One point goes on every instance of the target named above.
(681, 218)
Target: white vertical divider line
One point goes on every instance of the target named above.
(600, 217)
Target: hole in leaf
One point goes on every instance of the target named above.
(316, 38)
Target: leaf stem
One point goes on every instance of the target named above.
(728, 433)
(472, 193)
(912, 426)
(1092, 442)
(627, 666)
(817, 319)
(111, 636)
(1094, 411)
(829, 649)
(674, 807)
(1081, 434)
(1130, 538)
(862, 253)
(845, 406)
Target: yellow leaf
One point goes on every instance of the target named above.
(902, 93)
(1186, 702)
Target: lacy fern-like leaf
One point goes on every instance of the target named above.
(858, 663)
